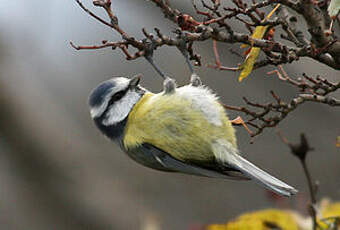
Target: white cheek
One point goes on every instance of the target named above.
(97, 111)
(121, 109)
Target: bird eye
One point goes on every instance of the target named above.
(118, 96)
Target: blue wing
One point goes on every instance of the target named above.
(153, 157)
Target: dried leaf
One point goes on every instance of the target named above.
(248, 65)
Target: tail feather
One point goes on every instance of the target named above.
(228, 156)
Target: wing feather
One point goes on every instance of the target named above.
(155, 158)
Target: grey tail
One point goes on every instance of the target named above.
(234, 160)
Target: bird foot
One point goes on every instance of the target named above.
(169, 85)
(195, 80)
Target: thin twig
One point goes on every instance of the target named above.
(94, 47)
(271, 114)
(301, 150)
(93, 14)
(320, 48)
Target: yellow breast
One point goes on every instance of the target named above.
(183, 124)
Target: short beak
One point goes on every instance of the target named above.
(135, 81)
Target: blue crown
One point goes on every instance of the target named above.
(98, 94)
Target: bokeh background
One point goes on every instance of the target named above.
(58, 172)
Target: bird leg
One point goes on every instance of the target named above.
(239, 121)
(149, 58)
(169, 84)
(195, 80)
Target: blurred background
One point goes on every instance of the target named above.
(58, 172)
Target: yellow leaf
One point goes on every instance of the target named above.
(258, 30)
(272, 12)
(248, 65)
(261, 220)
(329, 211)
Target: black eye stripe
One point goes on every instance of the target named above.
(116, 97)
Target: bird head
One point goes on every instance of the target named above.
(111, 101)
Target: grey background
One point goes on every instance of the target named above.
(58, 172)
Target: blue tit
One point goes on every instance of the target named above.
(183, 129)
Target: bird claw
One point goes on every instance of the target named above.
(169, 85)
(195, 80)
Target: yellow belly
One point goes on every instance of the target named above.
(175, 125)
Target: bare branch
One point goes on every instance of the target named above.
(301, 150)
(105, 44)
(271, 114)
(93, 14)
(322, 48)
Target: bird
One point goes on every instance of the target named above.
(181, 129)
